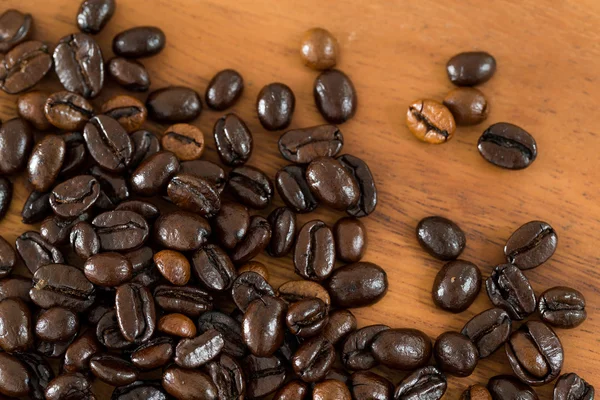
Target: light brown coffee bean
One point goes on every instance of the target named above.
(184, 140)
(430, 121)
(173, 266)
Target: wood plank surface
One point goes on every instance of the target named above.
(548, 82)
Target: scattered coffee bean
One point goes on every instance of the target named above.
(370, 386)
(130, 74)
(441, 238)
(341, 323)
(36, 207)
(224, 89)
(314, 252)
(16, 141)
(248, 287)
(15, 377)
(357, 285)
(562, 307)
(471, 68)
(468, 106)
(572, 387)
(37, 252)
(356, 349)
(154, 173)
(263, 325)
(68, 385)
(350, 239)
(15, 27)
(264, 375)
(233, 140)
(24, 66)
(531, 245)
(335, 96)
(294, 190)
(80, 352)
(59, 285)
(304, 145)
(75, 154)
(184, 383)
(229, 328)
(6, 194)
(367, 200)
(177, 325)
(275, 106)
(79, 65)
(319, 49)
(455, 354)
(184, 140)
(430, 121)
(154, 353)
(505, 387)
(173, 266)
(509, 289)
(456, 286)
(75, 196)
(121, 230)
(313, 359)
(56, 324)
(181, 230)
(332, 183)
(307, 318)
(402, 348)
(16, 330)
(507, 146)
(293, 390)
(68, 111)
(476, 392)
(55, 230)
(193, 353)
(194, 194)
(251, 187)
(45, 162)
(187, 300)
(488, 330)
(173, 104)
(8, 259)
(330, 389)
(113, 188)
(93, 15)
(113, 370)
(135, 312)
(126, 110)
(141, 41)
(108, 269)
(30, 107)
(283, 231)
(213, 267)
(108, 143)
(109, 333)
(255, 241)
(231, 224)
(425, 383)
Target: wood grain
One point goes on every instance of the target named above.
(547, 81)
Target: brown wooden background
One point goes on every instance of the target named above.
(547, 81)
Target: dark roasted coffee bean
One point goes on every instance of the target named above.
(15, 27)
(6, 192)
(173, 266)
(304, 145)
(356, 348)
(108, 269)
(572, 387)
(173, 104)
(147, 210)
(506, 387)
(16, 141)
(145, 144)
(402, 348)
(189, 384)
(79, 65)
(251, 187)
(441, 238)
(562, 307)
(37, 252)
(430, 121)
(306, 318)
(15, 376)
(319, 49)
(314, 253)
(154, 353)
(228, 377)
(181, 230)
(367, 385)
(16, 330)
(154, 173)
(340, 324)
(456, 286)
(130, 74)
(233, 140)
(113, 188)
(16, 287)
(264, 375)
(109, 333)
(194, 194)
(275, 106)
(350, 239)
(231, 224)
(135, 312)
(74, 386)
(113, 370)
(455, 354)
(151, 390)
(294, 291)
(509, 289)
(126, 110)
(255, 266)
(263, 325)
(193, 353)
(108, 143)
(79, 353)
(293, 390)
(45, 162)
(224, 89)
(471, 68)
(55, 230)
(59, 285)
(229, 328)
(213, 267)
(535, 353)
(255, 241)
(93, 15)
(294, 190)
(283, 231)
(507, 146)
(367, 198)
(121, 230)
(332, 183)
(36, 207)
(357, 285)
(335, 96)
(30, 107)
(187, 300)
(427, 383)
(184, 140)
(68, 111)
(488, 330)
(249, 286)
(75, 154)
(177, 325)
(531, 245)
(40, 373)
(206, 170)
(24, 66)
(56, 324)
(476, 392)
(141, 41)
(75, 196)
(313, 359)
(468, 106)
(331, 390)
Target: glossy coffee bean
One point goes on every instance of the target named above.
(357, 285)
(154, 173)
(233, 140)
(231, 224)
(456, 286)
(16, 141)
(181, 230)
(313, 359)
(508, 146)
(36, 252)
(425, 383)
(16, 330)
(294, 190)
(141, 41)
(59, 285)
(367, 199)
(121, 230)
(275, 106)
(340, 324)
(136, 314)
(335, 96)
(314, 252)
(370, 386)
(249, 286)
(74, 196)
(264, 375)
(56, 324)
(188, 384)
(430, 121)
(283, 228)
(15, 27)
(468, 106)
(8, 258)
(402, 348)
(356, 351)
(173, 104)
(70, 385)
(505, 387)
(255, 241)
(251, 187)
(113, 370)
(263, 326)
(30, 107)
(229, 329)
(562, 307)
(455, 354)
(78, 354)
(141, 258)
(531, 245)
(130, 74)
(15, 377)
(206, 170)
(15, 287)
(55, 230)
(6, 192)
(184, 140)
(332, 184)
(126, 110)
(255, 266)
(302, 146)
(224, 89)
(293, 390)
(68, 111)
(108, 143)
(488, 330)
(79, 65)
(147, 389)
(113, 188)
(307, 318)
(173, 266)
(84, 240)
(177, 325)
(190, 301)
(93, 15)
(154, 353)
(471, 68)
(331, 389)
(193, 353)
(213, 267)
(476, 392)
(572, 387)
(108, 269)
(319, 49)
(194, 194)
(45, 162)
(509, 289)
(24, 66)
(350, 239)
(535, 353)
(75, 154)
(441, 238)
(294, 291)
(109, 333)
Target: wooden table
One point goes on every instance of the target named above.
(547, 81)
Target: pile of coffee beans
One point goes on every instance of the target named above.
(141, 274)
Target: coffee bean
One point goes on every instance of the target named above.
(255, 266)
(255, 241)
(283, 231)
(206, 170)
(356, 348)
(140, 390)
(350, 239)
(425, 383)
(507, 146)
(456, 286)
(55, 230)
(30, 107)
(331, 390)
(173, 104)
(572, 387)
(36, 207)
(294, 291)
(468, 106)
(68, 111)
(506, 387)
(8, 258)
(213, 267)
(441, 238)
(173, 266)
(59, 285)
(488, 330)
(181, 230)
(15, 377)
(70, 385)
(531, 245)
(75, 196)
(455, 354)
(15, 27)
(231, 224)
(402, 348)
(16, 287)
(332, 184)
(147, 210)
(193, 353)
(109, 333)
(108, 143)
(45, 162)
(108, 269)
(430, 121)
(113, 370)
(314, 253)
(275, 106)
(177, 325)
(126, 110)
(263, 325)
(251, 187)
(230, 330)
(16, 331)
(307, 318)
(36, 252)
(75, 154)
(357, 285)
(6, 192)
(52, 349)
(335, 96)
(121, 230)
(535, 353)
(79, 65)
(24, 66)
(135, 312)
(313, 359)
(141, 41)
(319, 49)
(562, 307)
(194, 194)
(293, 390)
(93, 15)
(367, 199)
(227, 376)
(145, 144)
(509, 289)
(40, 373)
(264, 375)
(113, 188)
(370, 386)
(79, 353)
(471, 68)
(189, 384)
(224, 89)
(16, 141)
(249, 286)
(294, 190)
(154, 353)
(304, 145)
(190, 301)
(154, 173)
(56, 324)
(233, 140)
(130, 74)
(476, 392)
(184, 140)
